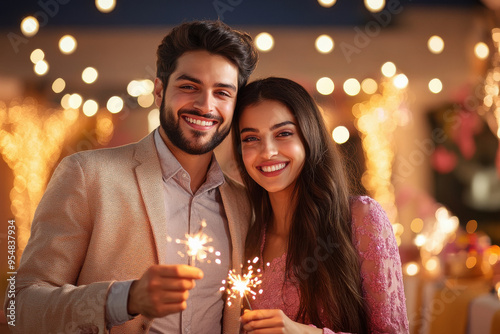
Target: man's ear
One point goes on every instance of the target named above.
(158, 92)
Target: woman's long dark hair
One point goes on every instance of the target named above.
(320, 252)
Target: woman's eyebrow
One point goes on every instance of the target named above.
(274, 127)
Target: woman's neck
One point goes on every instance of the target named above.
(283, 208)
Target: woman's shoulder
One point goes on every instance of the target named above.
(367, 213)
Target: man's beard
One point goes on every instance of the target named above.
(173, 131)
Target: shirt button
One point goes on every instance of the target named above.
(184, 175)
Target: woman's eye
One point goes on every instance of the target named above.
(285, 134)
(249, 139)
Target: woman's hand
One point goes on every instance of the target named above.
(272, 321)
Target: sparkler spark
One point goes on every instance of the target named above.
(196, 245)
(243, 284)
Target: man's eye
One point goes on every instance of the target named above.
(188, 87)
(226, 94)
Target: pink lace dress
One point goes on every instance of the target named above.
(381, 274)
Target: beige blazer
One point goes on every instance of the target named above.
(101, 219)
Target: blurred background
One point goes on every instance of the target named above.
(409, 90)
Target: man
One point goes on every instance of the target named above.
(98, 257)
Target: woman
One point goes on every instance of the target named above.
(332, 261)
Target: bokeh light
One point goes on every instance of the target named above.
(29, 26)
(340, 134)
(264, 42)
(58, 85)
(105, 6)
(325, 86)
(352, 87)
(115, 104)
(67, 44)
(324, 44)
(89, 75)
(435, 44)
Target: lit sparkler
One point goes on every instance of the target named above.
(196, 245)
(242, 284)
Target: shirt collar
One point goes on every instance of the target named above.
(170, 166)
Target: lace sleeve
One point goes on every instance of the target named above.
(380, 267)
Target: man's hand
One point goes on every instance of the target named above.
(162, 290)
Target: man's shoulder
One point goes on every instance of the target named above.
(119, 153)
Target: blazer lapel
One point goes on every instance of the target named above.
(149, 179)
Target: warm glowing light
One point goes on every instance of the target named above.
(146, 101)
(432, 264)
(376, 120)
(327, 3)
(471, 262)
(412, 268)
(90, 108)
(325, 86)
(89, 75)
(417, 225)
(444, 227)
(32, 138)
(65, 101)
(137, 88)
(352, 87)
(37, 55)
(369, 86)
(400, 81)
(471, 226)
(435, 44)
(340, 134)
(196, 244)
(75, 101)
(29, 26)
(41, 68)
(374, 6)
(420, 240)
(241, 285)
(388, 69)
(105, 6)
(264, 41)
(493, 259)
(115, 104)
(324, 44)
(58, 85)
(153, 119)
(481, 50)
(67, 44)
(435, 86)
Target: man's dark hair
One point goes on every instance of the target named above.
(213, 36)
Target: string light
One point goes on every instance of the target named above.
(491, 85)
(29, 26)
(105, 6)
(435, 44)
(264, 42)
(67, 44)
(324, 44)
(325, 86)
(376, 120)
(31, 142)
